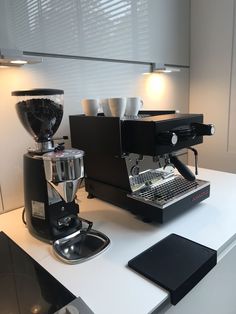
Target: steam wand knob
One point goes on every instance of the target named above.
(203, 129)
(167, 138)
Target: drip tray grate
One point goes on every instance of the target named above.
(168, 191)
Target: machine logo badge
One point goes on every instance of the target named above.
(202, 194)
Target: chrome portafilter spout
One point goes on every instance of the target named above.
(64, 170)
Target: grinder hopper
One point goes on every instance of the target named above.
(40, 112)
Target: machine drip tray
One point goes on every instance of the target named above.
(80, 246)
(163, 190)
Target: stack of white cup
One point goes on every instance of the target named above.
(113, 107)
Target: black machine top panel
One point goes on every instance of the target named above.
(115, 136)
(150, 135)
(167, 117)
(25, 286)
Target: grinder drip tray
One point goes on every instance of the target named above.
(80, 246)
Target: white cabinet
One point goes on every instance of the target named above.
(169, 31)
(212, 79)
(148, 30)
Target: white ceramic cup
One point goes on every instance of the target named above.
(133, 106)
(90, 106)
(105, 107)
(117, 106)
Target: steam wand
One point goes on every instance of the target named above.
(195, 158)
(182, 168)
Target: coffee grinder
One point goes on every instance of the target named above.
(52, 176)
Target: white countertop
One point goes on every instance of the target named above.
(105, 282)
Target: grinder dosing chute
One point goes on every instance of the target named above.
(64, 170)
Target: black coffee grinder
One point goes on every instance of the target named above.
(51, 174)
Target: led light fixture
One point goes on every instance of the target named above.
(12, 57)
(164, 68)
(154, 67)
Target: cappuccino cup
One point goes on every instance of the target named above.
(90, 106)
(117, 106)
(133, 106)
(105, 107)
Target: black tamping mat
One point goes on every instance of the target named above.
(175, 263)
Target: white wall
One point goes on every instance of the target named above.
(213, 79)
(106, 31)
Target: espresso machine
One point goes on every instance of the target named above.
(52, 176)
(135, 163)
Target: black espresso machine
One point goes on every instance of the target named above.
(130, 162)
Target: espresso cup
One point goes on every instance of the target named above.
(117, 106)
(105, 107)
(133, 106)
(90, 106)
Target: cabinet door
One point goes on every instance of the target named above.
(213, 79)
(169, 28)
(148, 30)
